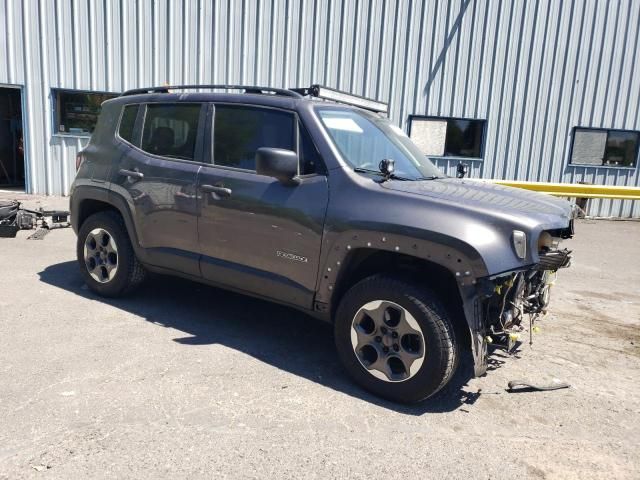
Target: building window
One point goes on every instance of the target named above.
(448, 137)
(613, 148)
(240, 131)
(76, 113)
(170, 130)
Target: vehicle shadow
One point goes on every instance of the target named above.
(274, 334)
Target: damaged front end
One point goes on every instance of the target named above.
(503, 307)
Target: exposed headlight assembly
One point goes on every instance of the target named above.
(546, 241)
(519, 239)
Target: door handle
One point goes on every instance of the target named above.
(133, 174)
(221, 191)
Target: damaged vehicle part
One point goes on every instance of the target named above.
(518, 386)
(8, 214)
(13, 217)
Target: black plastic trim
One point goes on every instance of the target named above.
(247, 88)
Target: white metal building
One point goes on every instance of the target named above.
(542, 90)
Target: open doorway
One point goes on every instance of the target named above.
(12, 172)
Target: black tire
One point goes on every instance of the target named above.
(440, 350)
(129, 273)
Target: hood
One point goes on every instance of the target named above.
(491, 198)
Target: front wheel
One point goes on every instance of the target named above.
(395, 339)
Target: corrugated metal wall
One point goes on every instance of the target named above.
(532, 69)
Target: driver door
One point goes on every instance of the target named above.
(256, 234)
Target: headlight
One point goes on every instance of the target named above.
(546, 241)
(520, 243)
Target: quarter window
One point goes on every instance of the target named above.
(448, 137)
(127, 122)
(617, 148)
(239, 131)
(76, 113)
(170, 130)
(309, 156)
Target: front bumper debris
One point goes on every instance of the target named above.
(499, 310)
(554, 260)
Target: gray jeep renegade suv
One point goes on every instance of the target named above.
(324, 206)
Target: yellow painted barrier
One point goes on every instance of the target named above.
(576, 190)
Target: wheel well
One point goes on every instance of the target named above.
(89, 207)
(364, 262)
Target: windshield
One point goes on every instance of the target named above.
(364, 139)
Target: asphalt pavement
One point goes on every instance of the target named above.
(182, 380)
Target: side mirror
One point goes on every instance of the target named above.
(462, 170)
(278, 163)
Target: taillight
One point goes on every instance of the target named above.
(79, 160)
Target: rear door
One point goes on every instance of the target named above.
(157, 177)
(256, 234)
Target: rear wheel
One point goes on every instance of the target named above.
(107, 261)
(395, 339)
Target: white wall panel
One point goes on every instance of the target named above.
(533, 69)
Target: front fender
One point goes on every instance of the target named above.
(463, 262)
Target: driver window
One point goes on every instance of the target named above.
(239, 131)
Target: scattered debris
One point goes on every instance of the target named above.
(13, 218)
(519, 386)
(40, 468)
(39, 234)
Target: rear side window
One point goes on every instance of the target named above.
(127, 122)
(170, 130)
(240, 131)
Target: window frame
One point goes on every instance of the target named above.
(55, 109)
(138, 129)
(572, 138)
(483, 140)
(320, 170)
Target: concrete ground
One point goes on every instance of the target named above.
(186, 381)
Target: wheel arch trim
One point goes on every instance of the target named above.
(465, 264)
(84, 193)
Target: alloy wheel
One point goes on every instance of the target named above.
(101, 255)
(387, 341)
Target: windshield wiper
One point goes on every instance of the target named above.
(432, 177)
(392, 176)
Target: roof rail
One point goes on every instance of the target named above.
(327, 93)
(246, 88)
